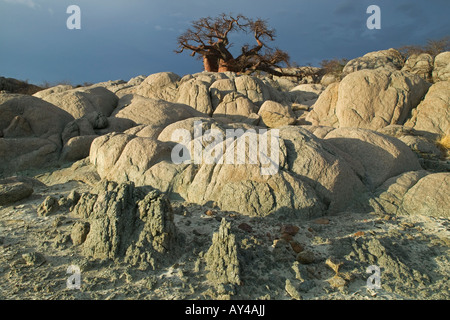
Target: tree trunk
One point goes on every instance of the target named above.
(210, 64)
(225, 66)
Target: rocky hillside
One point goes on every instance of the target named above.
(361, 179)
(10, 85)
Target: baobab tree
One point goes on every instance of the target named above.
(209, 39)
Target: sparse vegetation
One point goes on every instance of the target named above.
(334, 66)
(17, 86)
(433, 47)
(443, 144)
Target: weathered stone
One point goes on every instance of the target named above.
(161, 85)
(433, 113)
(82, 101)
(306, 257)
(13, 190)
(391, 59)
(236, 108)
(34, 259)
(156, 113)
(219, 89)
(222, 257)
(77, 148)
(428, 196)
(441, 70)
(274, 114)
(420, 64)
(195, 93)
(253, 88)
(126, 223)
(48, 206)
(382, 157)
(390, 195)
(369, 99)
(79, 232)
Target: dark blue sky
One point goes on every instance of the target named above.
(123, 39)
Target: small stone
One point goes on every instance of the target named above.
(337, 282)
(14, 190)
(58, 221)
(292, 291)
(48, 206)
(210, 213)
(290, 229)
(79, 232)
(246, 227)
(322, 221)
(71, 200)
(359, 234)
(33, 259)
(306, 257)
(297, 247)
(286, 236)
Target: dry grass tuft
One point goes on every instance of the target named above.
(444, 145)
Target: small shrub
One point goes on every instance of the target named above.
(433, 47)
(335, 66)
(444, 145)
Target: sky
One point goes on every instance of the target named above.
(121, 39)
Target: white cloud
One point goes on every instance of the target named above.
(28, 3)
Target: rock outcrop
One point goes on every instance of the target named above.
(369, 99)
(433, 113)
(30, 132)
(421, 65)
(390, 59)
(441, 70)
(127, 223)
(222, 261)
(82, 101)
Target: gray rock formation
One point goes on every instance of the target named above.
(128, 224)
(222, 261)
(13, 190)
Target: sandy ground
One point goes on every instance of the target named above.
(279, 260)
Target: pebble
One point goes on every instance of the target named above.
(79, 232)
(290, 229)
(246, 227)
(48, 206)
(322, 221)
(306, 257)
(297, 247)
(33, 258)
(359, 234)
(337, 282)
